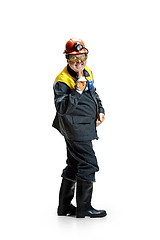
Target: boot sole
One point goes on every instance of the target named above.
(66, 215)
(92, 216)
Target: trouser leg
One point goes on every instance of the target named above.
(81, 166)
(81, 161)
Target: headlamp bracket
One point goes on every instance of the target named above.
(78, 47)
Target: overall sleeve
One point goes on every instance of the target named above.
(99, 102)
(95, 95)
(65, 99)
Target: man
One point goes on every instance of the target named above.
(79, 111)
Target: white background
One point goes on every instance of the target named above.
(123, 38)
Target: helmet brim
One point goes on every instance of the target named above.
(75, 52)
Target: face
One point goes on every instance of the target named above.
(80, 62)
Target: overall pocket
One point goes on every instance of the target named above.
(81, 120)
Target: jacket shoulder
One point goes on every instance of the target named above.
(90, 77)
(66, 78)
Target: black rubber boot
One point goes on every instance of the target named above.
(66, 195)
(83, 198)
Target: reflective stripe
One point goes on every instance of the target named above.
(60, 99)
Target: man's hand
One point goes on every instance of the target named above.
(100, 119)
(81, 84)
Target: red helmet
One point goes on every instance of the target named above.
(75, 46)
